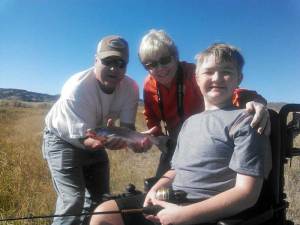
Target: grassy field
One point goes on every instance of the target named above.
(25, 184)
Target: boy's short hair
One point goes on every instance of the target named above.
(222, 52)
(157, 42)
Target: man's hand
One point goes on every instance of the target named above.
(92, 141)
(95, 142)
(114, 143)
(261, 119)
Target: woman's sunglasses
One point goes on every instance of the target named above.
(119, 63)
(163, 61)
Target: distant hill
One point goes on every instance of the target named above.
(27, 96)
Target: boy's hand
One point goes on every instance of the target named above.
(149, 198)
(261, 119)
(170, 215)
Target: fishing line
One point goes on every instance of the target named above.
(150, 210)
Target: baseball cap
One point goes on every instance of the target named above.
(113, 45)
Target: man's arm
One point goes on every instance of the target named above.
(242, 196)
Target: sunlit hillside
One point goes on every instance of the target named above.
(25, 184)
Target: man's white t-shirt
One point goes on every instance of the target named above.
(83, 105)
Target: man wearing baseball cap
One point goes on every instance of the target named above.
(92, 98)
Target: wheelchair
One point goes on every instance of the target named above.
(272, 204)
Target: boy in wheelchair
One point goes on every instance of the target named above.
(220, 161)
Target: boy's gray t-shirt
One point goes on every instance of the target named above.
(215, 145)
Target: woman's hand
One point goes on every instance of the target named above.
(261, 119)
(152, 130)
(145, 144)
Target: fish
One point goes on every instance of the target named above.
(132, 137)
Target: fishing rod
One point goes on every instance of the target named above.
(164, 194)
(149, 210)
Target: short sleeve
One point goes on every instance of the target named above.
(130, 104)
(177, 148)
(78, 119)
(251, 150)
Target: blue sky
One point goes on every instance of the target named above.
(43, 42)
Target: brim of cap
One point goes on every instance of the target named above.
(106, 54)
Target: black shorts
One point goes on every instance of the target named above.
(133, 202)
(136, 202)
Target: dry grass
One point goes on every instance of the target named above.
(25, 184)
(128, 167)
(292, 188)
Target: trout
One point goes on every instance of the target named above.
(132, 137)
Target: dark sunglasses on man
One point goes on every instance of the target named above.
(114, 62)
(163, 61)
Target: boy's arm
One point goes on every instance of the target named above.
(165, 181)
(242, 196)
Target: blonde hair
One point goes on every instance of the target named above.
(155, 43)
(222, 52)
